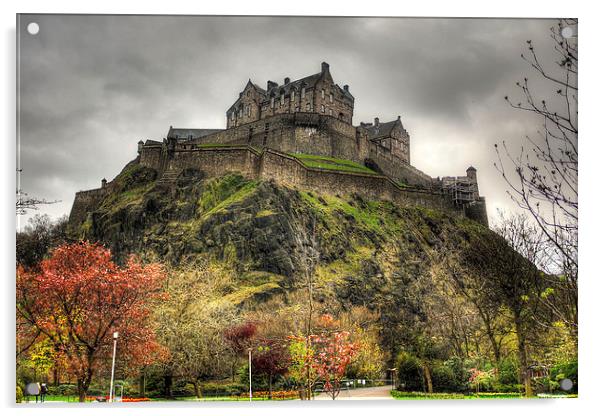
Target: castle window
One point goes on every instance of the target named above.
(308, 107)
(331, 98)
(282, 100)
(303, 92)
(330, 111)
(322, 94)
(322, 108)
(293, 95)
(249, 93)
(272, 102)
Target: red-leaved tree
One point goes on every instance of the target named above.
(79, 297)
(271, 359)
(333, 354)
(239, 339)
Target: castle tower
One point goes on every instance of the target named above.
(471, 173)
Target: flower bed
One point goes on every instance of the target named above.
(276, 395)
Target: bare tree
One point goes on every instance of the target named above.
(556, 295)
(24, 202)
(543, 176)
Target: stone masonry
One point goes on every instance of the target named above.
(312, 115)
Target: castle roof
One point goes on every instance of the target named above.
(309, 81)
(184, 133)
(259, 89)
(381, 130)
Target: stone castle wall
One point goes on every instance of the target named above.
(308, 133)
(85, 202)
(391, 166)
(289, 171)
(285, 170)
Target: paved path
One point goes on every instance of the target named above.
(364, 393)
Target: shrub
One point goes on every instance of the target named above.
(564, 370)
(63, 390)
(450, 376)
(19, 395)
(228, 389)
(409, 372)
(508, 371)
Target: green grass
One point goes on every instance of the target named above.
(404, 395)
(324, 162)
(222, 192)
(372, 215)
(254, 284)
(264, 213)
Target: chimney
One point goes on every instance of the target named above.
(325, 67)
(287, 80)
(272, 84)
(103, 183)
(346, 88)
(376, 121)
(398, 118)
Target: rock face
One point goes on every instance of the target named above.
(365, 252)
(259, 225)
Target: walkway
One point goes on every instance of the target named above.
(362, 393)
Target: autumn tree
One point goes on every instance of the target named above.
(270, 358)
(78, 297)
(191, 322)
(239, 339)
(333, 354)
(364, 331)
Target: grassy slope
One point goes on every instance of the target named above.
(324, 162)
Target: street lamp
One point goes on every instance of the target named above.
(115, 336)
(393, 370)
(250, 379)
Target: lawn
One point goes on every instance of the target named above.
(324, 162)
(402, 395)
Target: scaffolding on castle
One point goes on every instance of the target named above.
(462, 189)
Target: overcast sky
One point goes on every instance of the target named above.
(92, 86)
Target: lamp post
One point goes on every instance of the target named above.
(392, 370)
(250, 379)
(115, 336)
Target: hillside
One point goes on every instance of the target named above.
(371, 253)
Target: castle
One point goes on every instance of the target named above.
(267, 130)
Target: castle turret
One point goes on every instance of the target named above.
(103, 183)
(140, 146)
(471, 173)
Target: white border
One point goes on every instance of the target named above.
(590, 376)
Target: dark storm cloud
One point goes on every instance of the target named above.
(91, 87)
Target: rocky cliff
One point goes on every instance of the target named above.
(365, 252)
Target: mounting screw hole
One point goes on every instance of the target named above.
(33, 28)
(567, 32)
